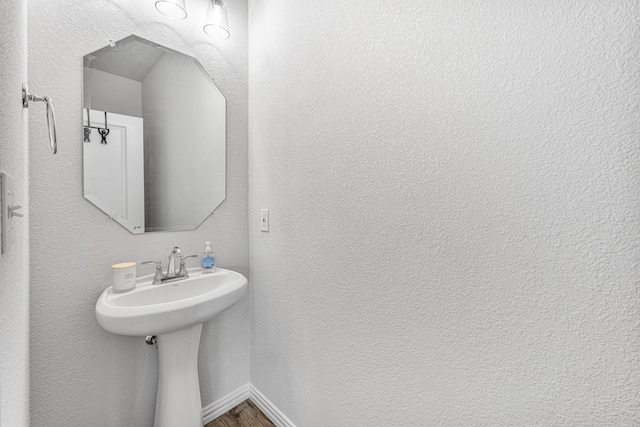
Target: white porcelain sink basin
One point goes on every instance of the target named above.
(174, 312)
(168, 307)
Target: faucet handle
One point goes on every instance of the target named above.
(157, 263)
(158, 275)
(183, 265)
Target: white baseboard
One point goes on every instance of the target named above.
(222, 405)
(247, 391)
(268, 408)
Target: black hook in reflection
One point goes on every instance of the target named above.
(103, 133)
(87, 128)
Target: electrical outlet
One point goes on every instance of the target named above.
(264, 220)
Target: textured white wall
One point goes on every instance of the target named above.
(454, 201)
(81, 374)
(14, 265)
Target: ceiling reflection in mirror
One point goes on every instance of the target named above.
(154, 137)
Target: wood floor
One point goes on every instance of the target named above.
(245, 414)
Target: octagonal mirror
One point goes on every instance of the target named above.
(154, 137)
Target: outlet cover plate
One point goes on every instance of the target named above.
(264, 220)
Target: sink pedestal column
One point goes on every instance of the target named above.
(178, 402)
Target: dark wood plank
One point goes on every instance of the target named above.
(245, 414)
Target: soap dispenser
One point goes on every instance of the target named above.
(208, 261)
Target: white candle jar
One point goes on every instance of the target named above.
(124, 277)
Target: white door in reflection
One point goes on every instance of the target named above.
(114, 172)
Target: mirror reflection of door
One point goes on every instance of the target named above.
(114, 171)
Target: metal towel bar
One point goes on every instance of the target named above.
(51, 118)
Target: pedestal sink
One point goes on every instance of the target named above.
(174, 313)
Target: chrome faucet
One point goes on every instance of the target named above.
(173, 273)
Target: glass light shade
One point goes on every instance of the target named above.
(172, 8)
(216, 24)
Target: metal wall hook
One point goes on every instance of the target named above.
(51, 118)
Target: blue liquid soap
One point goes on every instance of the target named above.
(208, 262)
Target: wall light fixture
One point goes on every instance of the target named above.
(215, 23)
(172, 8)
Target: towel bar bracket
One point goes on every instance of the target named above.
(51, 118)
